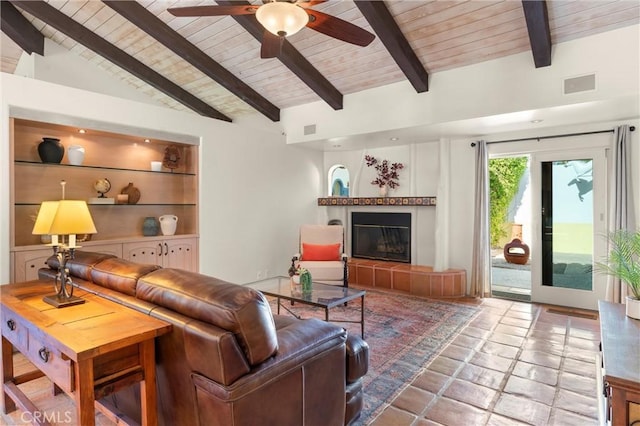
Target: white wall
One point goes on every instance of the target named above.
(255, 190)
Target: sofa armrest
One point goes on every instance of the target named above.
(357, 358)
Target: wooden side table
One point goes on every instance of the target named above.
(89, 350)
(620, 337)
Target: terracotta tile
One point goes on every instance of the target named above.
(546, 336)
(538, 373)
(497, 420)
(506, 339)
(496, 310)
(524, 307)
(540, 358)
(467, 341)
(533, 390)
(484, 322)
(475, 332)
(501, 303)
(581, 368)
(381, 277)
(584, 323)
(445, 365)
(401, 280)
(449, 412)
(515, 321)
(534, 344)
(431, 381)
(519, 314)
(435, 285)
(553, 318)
(420, 285)
(550, 328)
(512, 330)
(457, 352)
(482, 376)
(580, 354)
(393, 416)
(470, 393)
(365, 276)
(585, 334)
(560, 417)
(589, 345)
(499, 349)
(447, 285)
(425, 422)
(413, 399)
(578, 404)
(579, 384)
(492, 362)
(522, 409)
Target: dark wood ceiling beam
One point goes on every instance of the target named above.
(58, 20)
(382, 22)
(292, 59)
(156, 28)
(20, 30)
(537, 17)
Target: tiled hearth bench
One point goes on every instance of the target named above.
(412, 279)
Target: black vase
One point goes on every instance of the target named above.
(51, 150)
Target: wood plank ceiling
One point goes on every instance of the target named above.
(212, 65)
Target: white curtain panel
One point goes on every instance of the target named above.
(621, 213)
(481, 265)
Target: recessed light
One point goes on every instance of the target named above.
(394, 138)
(536, 121)
(82, 131)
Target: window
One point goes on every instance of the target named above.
(338, 181)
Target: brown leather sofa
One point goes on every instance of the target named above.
(228, 360)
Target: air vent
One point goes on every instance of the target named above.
(579, 84)
(310, 129)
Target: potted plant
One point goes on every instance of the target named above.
(624, 263)
(387, 173)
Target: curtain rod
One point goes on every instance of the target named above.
(539, 138)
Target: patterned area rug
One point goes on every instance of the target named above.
(404, 334)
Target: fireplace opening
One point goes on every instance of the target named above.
(381, 236)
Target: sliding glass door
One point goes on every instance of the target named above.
(572, 216)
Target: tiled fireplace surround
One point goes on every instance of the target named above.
(419, 280)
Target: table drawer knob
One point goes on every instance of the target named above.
(11, 324)
(44, 354)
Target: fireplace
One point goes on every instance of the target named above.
(381, 236)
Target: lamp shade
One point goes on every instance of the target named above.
(282, 18)
(64, 217)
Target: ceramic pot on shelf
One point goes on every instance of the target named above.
(51, 150)
(150, 226)
(75, 153)
(168, 224)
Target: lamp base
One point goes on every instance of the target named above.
(62, 302)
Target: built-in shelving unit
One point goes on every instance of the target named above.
(120, 158)
(377, 201)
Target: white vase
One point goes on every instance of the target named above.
(75, 153)
(633, 308)
(384, 190)
(168, 223)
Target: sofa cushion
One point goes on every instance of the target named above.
(241, 310)
(119, 274)
(81, 264)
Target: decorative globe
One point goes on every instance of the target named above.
(102, 186)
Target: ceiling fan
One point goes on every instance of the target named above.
(282, 18)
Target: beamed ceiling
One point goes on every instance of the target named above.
(212, 65)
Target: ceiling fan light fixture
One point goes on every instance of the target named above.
(282, 18)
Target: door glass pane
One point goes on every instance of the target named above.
(567, 217)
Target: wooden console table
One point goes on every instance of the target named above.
(620, 337)
(89, 350)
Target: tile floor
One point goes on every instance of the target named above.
(515, 363)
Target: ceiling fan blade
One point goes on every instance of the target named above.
(271, 45)
(213, 10)
(338, 28)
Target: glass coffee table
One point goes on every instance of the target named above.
(322, 295)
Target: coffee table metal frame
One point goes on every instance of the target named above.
(325, 296)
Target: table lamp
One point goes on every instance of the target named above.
(60, 219)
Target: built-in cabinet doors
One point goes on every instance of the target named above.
(175, 253)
